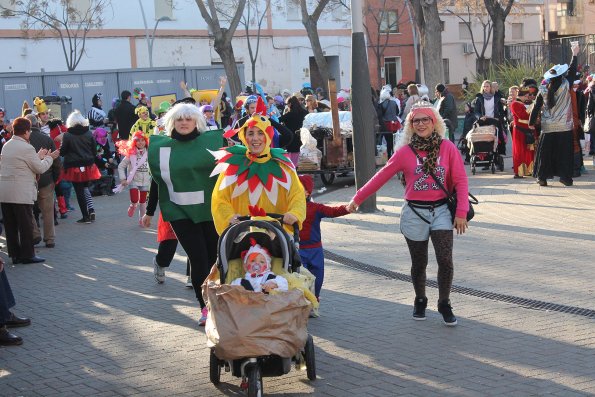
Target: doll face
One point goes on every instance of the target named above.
(256, 264)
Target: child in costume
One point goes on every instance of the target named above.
(311, 251)
(144, 122)
(259, 277)
(134, 160)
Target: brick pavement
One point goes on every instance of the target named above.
(103, 327)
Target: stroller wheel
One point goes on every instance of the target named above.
(310, 357)
(214, 369)
(254, 381)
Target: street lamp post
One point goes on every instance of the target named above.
(150, 43)
(150, 39)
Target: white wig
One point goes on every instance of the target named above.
(385, 93)
(408, 131)
(76, 118)
(184, 111)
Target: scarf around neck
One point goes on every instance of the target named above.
(430, 145)
(487, 96)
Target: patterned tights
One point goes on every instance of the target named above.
(442, 242)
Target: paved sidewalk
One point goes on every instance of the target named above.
(103, 327)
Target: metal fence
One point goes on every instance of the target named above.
(82, 85)
(551, 52)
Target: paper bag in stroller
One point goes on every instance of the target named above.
(248, 324)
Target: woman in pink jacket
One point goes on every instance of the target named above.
(422, 152)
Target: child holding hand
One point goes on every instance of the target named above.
(310, 237)
(134, 162)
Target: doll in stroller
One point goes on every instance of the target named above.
(254, 334)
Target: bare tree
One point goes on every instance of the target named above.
(427, 20)
(382, 25)
(222, 37)
(310, 22)
(63, 19)
(254, 15)
(471, 13)
(498, 10)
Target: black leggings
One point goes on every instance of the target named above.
(199, 240)
(83, 197)
(442, 242)
(166, 252)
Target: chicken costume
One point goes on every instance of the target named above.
(267, 180)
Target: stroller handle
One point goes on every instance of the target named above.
(278, 217)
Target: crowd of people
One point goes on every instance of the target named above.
(168, 156)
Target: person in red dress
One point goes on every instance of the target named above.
(523, 149)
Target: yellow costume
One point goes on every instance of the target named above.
(146, 126)
(267, 180)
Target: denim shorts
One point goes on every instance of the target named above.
(414, 228)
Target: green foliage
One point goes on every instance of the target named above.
(507, 75)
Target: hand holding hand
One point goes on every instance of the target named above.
(461, 225)
(124, 182)
(146, 220)
(289, 219)
(352, 207)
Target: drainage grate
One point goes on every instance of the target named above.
(524, 302)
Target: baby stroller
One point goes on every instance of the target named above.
(482, 142)
(252, 334)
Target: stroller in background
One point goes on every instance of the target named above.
(482, 142)
(252, 334)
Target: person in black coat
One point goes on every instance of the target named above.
(294, 120)
(125, 115)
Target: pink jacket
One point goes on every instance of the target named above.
(421, 186)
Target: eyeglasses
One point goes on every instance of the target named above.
(424, 120)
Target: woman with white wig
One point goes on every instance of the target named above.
(79, 151)
(424, 157)
(180, 164)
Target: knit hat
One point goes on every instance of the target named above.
(255, 269)
(100, 136)
(40, 105)
(95, 100)
(307, 182)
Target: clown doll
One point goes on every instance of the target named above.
(135, 163)
(144, 122)
(259, 277)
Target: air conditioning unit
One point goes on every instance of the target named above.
(468, 48)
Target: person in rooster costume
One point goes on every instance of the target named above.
(254, 174)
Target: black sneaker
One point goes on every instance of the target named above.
(86, 220)
(419, 308)
(448, 318)
(92, 216)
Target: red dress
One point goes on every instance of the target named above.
(523, 155)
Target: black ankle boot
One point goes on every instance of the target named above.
(419, 308)
(448, 317)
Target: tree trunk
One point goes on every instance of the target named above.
(498, 40)
(312, 31)
(225, 51)
(428, 23)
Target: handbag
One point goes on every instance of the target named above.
(451, 198)
(588, 127)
